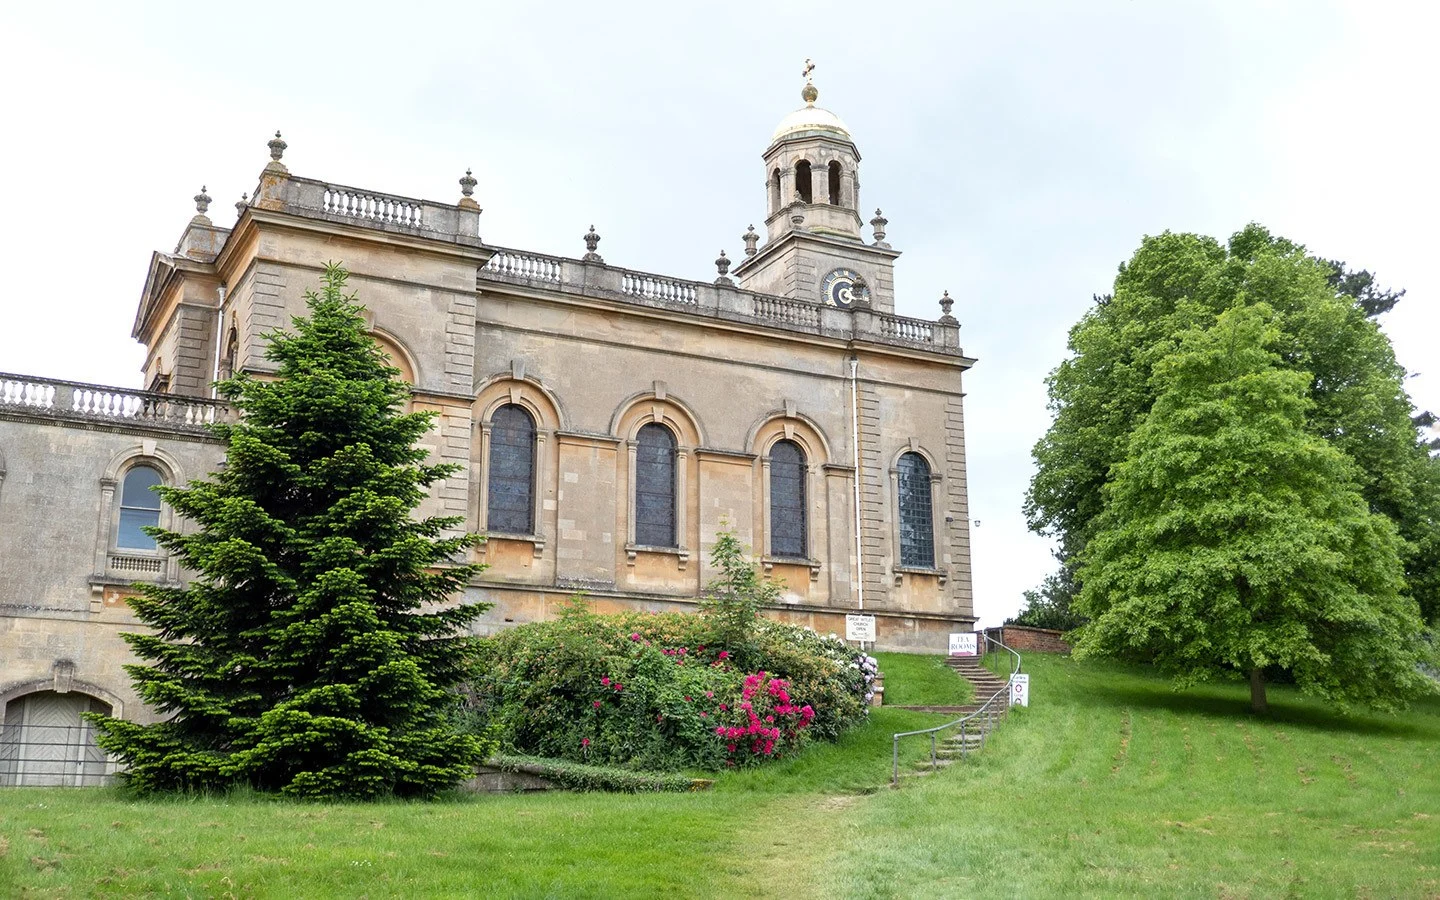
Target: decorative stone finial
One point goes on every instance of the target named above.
(202, 201)
(945, 303)
(751, 239)
(879, 223)
(722, 264)
(859, 293)
(809, 93)
(592, 240)
(277, 147)
(467, 184)
(241, 204)
(797, 217)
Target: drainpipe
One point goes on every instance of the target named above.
(855, 440)
(219, 340)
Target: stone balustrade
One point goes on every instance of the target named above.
(372, 209)
(97, 403)
(596, 279)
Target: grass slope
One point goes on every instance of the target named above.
(1109, 785)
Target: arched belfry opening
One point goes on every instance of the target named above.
(802, 181)
(834, 182)
(775, 199)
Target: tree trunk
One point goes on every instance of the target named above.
(1257, 691)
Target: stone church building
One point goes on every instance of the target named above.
(609, 423)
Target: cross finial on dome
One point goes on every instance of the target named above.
(808, 93)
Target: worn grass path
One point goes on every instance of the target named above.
(1109, 785)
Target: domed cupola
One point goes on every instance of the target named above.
(813, 247)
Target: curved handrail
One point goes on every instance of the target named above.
(988, 710)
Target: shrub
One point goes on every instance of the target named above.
(658, 692)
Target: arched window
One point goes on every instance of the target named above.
(510, 491)
(232, 349)
(917, 524)
(834, 183)
(775, 200)
(139, 507)
(787, 500)
(655, 486)
(802, 181)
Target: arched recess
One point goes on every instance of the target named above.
(124, 565)
(660, 408)
(399, 355)
(544, 409)
(900, 495)
(776, 201)
(789, 425)
(44, 740)
(803, 181)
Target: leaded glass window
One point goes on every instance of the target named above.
(787, 500)
(510, 491)
(139, 507)
(655, 486)
(917, 522)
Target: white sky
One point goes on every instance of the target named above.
(1020, 150)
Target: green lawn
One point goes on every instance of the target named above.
(1110, 784)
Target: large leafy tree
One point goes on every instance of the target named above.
(314, 652)
(1323, 319)
(1234, 539)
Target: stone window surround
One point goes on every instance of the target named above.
(788, 424)
(659, 407)
(512, 390)
(937, 516)
(123, 565)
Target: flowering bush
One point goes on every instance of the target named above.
(657, 691)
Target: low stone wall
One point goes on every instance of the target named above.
(1023, 638)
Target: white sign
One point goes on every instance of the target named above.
(962, 644)
(1019, 690)
(860, 628)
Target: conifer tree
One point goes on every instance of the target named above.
(1234, 540)
(315, 650)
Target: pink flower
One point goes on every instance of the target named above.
(597, 704)
(585, 742)
(605, 680)
(704, 715)
(724, 654)
(770, 718)
(635, 636)
(688, 700)
(710, 694)
(730, 747)
(619, 687)
(720, 730)
(723, 707)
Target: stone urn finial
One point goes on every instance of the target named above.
(945, 303)
(277, 146)
(241, 204)
(722, 264)
(467, 184)
(592, 240)
(751, 239)
(879, 223)
(202, 202)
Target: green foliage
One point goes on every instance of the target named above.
(1232, 539)
(299, 659)
(580, 777)
(1051, 605)
(734, 599)
(650, 691)
(1177, 282)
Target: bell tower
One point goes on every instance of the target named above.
(813, 246)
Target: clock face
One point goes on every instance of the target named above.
(842, 287)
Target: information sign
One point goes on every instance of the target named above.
(860, 628)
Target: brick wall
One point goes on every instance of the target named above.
(1022, 639)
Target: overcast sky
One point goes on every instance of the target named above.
(1020, 150)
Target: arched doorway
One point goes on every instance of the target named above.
(43, 741)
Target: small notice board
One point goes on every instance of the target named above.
(1019, 690)
(859, 628)
(962, 644)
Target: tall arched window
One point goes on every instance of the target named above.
(775, 199)
(787, 500)
(802, 181)
(510, 490)
(655, 486)
(834, 183)
(917, 523)
(139, 507)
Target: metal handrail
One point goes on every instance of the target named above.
(988, 710)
